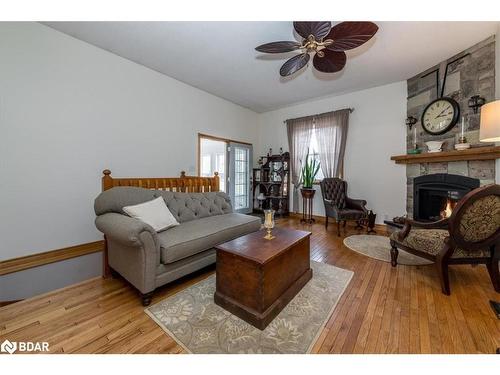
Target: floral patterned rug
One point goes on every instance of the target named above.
(200, 326)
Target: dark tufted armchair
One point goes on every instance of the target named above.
(338, 205)
(471, 235)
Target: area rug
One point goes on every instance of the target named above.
(200, 326)
(379, 247)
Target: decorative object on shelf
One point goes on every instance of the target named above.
(281, 150)
(269, 223)
(434, 146)
(462, 141)
(257, 176)
(415, 149)
(326, 43)
(260, 162)
(476, 102)
(271, 189)
(270, 152)
(410, 121)
(490, 122)
(440, 115)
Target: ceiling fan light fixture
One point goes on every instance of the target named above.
(324, 42)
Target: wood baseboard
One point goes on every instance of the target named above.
(35, 260)
(321, 219)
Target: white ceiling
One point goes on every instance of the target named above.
(219, 57)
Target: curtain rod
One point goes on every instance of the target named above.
(351, 110)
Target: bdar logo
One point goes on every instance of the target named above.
(8, 347)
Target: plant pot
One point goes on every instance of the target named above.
(307, 193)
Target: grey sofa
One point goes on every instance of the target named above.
(148, 259)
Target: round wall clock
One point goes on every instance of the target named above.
(440, 115)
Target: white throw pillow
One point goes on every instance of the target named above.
(154, 213)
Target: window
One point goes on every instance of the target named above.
(314, 153)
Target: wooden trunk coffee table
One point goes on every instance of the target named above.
(256, 278)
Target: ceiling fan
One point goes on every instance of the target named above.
(327, 43)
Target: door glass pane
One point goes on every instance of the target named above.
(213, 159)
(241, 178)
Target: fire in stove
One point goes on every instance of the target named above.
(448, 208)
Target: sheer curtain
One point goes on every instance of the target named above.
(299, 133)
(331, 133)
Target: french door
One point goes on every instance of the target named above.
(233, 161)
(240, 189)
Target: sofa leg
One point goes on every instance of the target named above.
(394, 255)
(326, 222)
(338, 228)
(146, 298)
(442, 268)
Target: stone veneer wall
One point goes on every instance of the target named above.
(472, 75)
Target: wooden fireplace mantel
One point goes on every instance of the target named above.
(475, 153)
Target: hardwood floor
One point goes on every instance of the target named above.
(384, 310)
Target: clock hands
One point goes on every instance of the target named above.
(441, 113)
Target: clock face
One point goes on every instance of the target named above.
(440, 116)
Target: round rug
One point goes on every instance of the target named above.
(379, 247)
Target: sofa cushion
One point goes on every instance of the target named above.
(195, 236)
(154, 213)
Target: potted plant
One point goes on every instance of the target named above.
(308, 174)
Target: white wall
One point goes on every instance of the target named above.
(68, 110)
(376, 132)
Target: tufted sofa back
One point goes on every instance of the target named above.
(334, 189)
(184, 206)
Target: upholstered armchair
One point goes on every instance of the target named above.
(471, 235)
(338, 205)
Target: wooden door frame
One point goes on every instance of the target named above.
(213, 138)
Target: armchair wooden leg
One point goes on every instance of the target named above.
(338, 228)
(326, 222)
(442, 268)
(394, 255)
(345, 222)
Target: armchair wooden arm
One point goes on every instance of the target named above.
(409, 223)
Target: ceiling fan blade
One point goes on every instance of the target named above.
(349, 35)
(318, 29)
(278, 47)
(294, 64)
(331, 62)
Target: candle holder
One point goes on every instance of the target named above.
(269, 223)
(462, 140)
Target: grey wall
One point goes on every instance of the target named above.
(68, 110)
(38, 280)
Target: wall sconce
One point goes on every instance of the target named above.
(475, 102)
(410, 121)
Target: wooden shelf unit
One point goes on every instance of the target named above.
(474, 153)
(273, 180)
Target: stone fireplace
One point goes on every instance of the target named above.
(464, 175)
(435, 195)
(471, 72)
